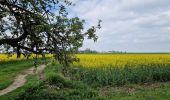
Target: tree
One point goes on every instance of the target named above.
(88, 51)
(42, 26)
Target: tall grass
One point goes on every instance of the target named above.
(102, 76)
(58, 87)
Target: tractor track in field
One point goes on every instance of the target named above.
(21, 78)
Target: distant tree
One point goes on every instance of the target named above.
(88, 51)
(42, 26)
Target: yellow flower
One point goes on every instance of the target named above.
(120, 60)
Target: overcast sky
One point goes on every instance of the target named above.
(127, 25)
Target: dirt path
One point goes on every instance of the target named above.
(21, 78)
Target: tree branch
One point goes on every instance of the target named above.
(12, 5)
(15, 40)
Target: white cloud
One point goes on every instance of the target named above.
(127, 25)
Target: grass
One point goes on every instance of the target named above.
(55, 87)
(143, 82)
(31, 82)
(9, 70)
(152, 91)
(127, 75)
(145, 85)
(63, 88)
(59, 87)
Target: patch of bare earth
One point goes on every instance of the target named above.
(21, 78)
(131, 89)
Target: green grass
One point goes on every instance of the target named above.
(31, 82)
(76, 86)
(118, 77)
(9, 70)
(154, 91)
(55, 87)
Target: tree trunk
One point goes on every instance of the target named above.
(18, 53)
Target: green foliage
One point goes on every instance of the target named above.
(122, 76)
(42, 26)
(31, 92)
(73, 88)
(54, 79)
(56, 86)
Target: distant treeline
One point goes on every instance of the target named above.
(89, 51)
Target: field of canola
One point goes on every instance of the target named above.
(118, 69)
(121, 60)
(13, 57)
(94, 70)
(108, 60)
(4, 57)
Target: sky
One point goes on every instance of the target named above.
(127, 25)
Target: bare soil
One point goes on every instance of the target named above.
(21, 78)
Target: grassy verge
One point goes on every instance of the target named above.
(31, 82)
(63, 88)
(58, 87)
(9, 70)
(55, 87)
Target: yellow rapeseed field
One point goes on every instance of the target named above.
(120, 60)
(12, 57)
(109, 60)
(4, 57)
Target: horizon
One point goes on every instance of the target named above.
(127, 25)
(128, 52)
